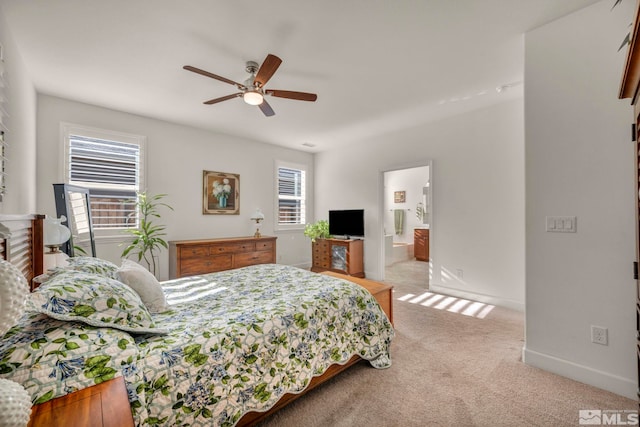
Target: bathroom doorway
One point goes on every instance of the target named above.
(407, 225)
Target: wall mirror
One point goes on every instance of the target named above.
(73, 202)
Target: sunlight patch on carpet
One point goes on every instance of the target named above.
(449, 303)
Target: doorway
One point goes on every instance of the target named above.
(407, 225)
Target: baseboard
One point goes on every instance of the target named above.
(304, 265)
(487, 299)
(584, 374)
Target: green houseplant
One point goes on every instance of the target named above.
(317, 230)
(149, 237)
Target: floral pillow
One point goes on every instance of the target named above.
(94, 300)
(85, 264)
(93, 265)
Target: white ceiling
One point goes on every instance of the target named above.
(376, 65)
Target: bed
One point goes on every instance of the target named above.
(215, 357)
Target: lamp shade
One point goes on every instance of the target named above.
(257, 215)
(55, 233)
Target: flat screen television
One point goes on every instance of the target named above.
(348, 223)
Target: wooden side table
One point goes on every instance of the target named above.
(103, 405)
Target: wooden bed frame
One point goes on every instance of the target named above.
(22, 243)
(25, 249)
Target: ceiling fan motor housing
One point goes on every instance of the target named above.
(251, 67)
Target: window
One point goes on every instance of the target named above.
(110, 165)
(292, 193)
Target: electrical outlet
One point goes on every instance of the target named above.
(459, 273)
(599, 335)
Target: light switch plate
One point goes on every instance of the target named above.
(561, 224)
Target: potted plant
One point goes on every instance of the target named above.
(317, 230)
(148, 237)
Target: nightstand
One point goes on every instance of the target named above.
(103, 405)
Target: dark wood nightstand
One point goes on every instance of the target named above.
(103, 405)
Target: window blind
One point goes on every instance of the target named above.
(111, 170)
(291, 196)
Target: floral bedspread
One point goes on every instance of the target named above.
(238, 341)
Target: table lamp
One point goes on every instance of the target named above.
(257, 217)
(55, 234)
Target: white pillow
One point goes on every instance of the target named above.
(145, 284)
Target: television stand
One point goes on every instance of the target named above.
(345, 256)
(346, 238)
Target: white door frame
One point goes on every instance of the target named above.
(381, 207)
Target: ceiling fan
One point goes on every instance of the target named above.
(252, 90)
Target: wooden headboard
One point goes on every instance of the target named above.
(24, 248)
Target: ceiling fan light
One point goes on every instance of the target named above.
(253, 98)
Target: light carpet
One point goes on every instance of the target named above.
(449, 370)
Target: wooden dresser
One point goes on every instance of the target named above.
(192, 257)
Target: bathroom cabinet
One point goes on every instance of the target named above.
(421, 244)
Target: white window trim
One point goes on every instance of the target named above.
(276, 210)
(67, 129)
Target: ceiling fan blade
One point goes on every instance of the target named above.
(300, 96)
(224, 98)
(267, 69)
(213, 76)
(266, 108)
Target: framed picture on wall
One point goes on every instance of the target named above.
(220, 193)
(399, 196)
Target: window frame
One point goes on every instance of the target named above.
(68, 129)
(276, 211)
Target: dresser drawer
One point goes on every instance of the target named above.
(232, 248)
(261, 257)
(194, 252)
(321, 260)
(264, 245)
(206, 265)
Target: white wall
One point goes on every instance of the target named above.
(411, 181)
(579, 161)
(21, 138)
(478, 197)
(176, 157)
